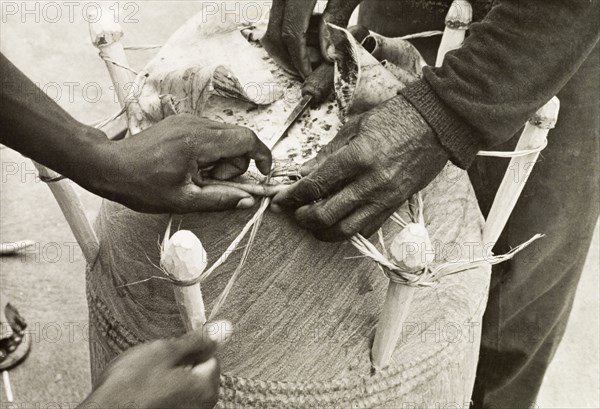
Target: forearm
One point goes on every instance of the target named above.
(34, 125)
(510, 65)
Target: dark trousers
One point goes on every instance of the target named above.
(532, 295)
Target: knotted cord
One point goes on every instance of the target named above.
(113, 62)
(430, 276)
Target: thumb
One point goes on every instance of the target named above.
(199, 346)
(215, 198)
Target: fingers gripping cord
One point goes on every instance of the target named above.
(427, 277)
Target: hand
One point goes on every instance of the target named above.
(160, 169)
(287, 40)
(174, 373)
(376, 162)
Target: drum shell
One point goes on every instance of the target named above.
(304, 311)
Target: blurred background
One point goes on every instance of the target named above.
(49, 42)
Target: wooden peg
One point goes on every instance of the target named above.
(396, 308)
(184, 258)
(106, 36)
(411, 250)
(534, 137)
(182, 255)
(458, 19)
(399, 296)
(73, 210)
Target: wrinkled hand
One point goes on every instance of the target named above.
(376, 162)
(174, 373)
(160, 170)
(287, 38)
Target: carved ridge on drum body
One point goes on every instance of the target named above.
(371, 390)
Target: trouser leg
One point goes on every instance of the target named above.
(532, 295)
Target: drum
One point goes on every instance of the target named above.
(303, 311)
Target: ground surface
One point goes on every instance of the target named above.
(48, 283)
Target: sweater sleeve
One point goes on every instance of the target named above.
(510, 65)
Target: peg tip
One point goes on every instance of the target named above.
(104, 30)
(460, 15)
(547, 116)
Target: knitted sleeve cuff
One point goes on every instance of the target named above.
(458, 137)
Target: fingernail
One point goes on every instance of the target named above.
(246, 203)
(219, 331)
(275, 208)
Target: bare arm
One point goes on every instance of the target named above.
(156, 171)
(33, 124)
